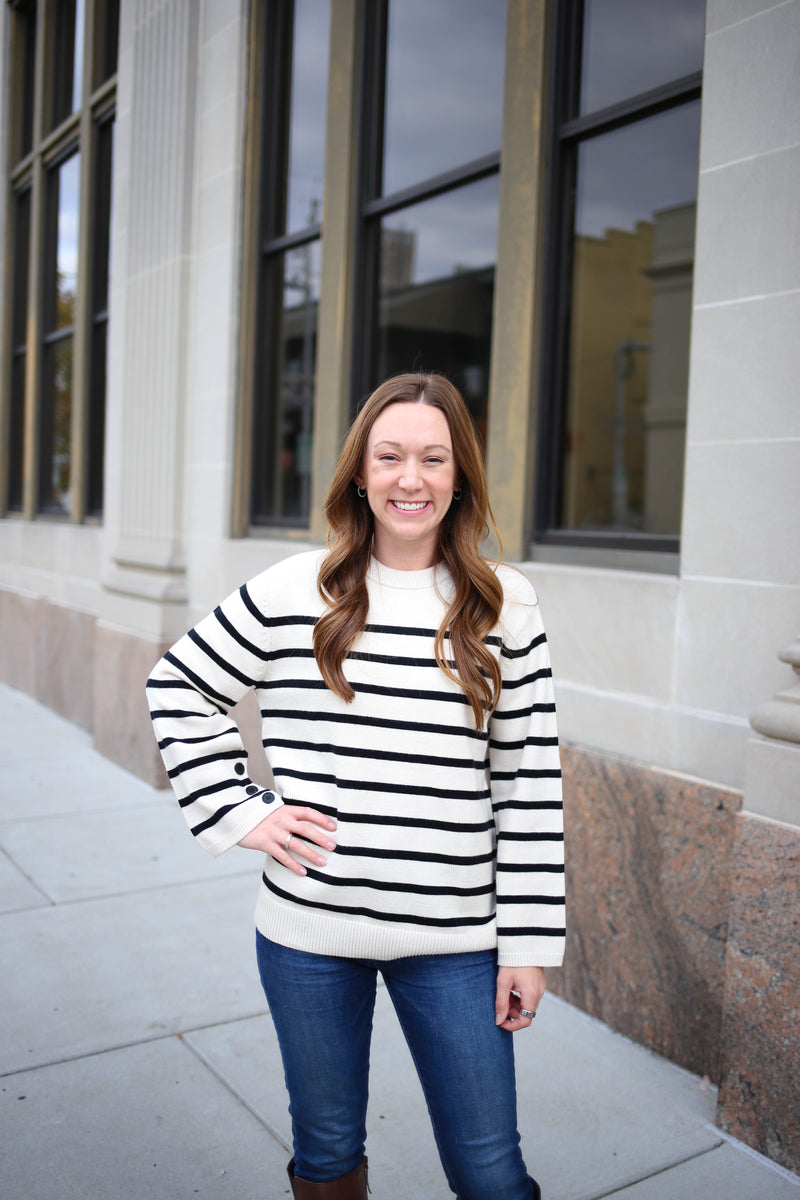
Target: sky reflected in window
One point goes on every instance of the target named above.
(309, 102)
(631, 46)
(444, 86)
(67, 251)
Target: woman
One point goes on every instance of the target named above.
(415, 826)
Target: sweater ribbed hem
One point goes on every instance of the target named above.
(318, 932)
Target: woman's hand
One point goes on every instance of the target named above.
(518, 988)
(300, 828)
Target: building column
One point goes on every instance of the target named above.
(332, 385)
(143, 603)
(517, 295)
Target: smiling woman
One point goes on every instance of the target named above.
(415, 826)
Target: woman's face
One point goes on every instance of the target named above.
(409, 471)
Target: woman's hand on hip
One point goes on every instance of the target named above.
(519, 990)
(290, 833)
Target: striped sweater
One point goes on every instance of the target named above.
(448, 839)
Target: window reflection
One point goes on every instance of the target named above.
(444, 86)
(101, 268)
(296, 71)
(308, 107)
(631, 46)
(19, 319)
(633, 256)
(56, 445)
(106, 38)
(282, 486)
(61, 277)
(67, 244)
(67, 56)
(436, 283)
(24, 53)
(77, 59)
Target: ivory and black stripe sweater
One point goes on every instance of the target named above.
(448, 839)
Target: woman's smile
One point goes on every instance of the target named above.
(410, 505)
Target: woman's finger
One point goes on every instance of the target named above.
(304, 829)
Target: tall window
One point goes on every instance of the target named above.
(621, 251)
(294, 106)
(431, 133)
(63, 85)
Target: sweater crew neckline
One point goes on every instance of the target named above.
(390, 577)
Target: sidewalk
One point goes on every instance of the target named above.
(138, 1063)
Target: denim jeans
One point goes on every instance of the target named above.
(322, 1009)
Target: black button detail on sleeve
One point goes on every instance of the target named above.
(268, 797)
(251, 789)
(239, 768)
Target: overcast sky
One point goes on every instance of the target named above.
(630, 46)
(628, 175)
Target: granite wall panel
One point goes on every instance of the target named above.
(122, 727)
(65, 661)
(648, 890)
(759, 1097)
(46, 651)
(18, 615)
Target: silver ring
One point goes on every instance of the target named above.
(286, 843)
(526, 1012)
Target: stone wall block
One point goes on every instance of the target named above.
(18, 620)
(648, 886)
(47, 651)
(758, 1097)
(65, 661)
(123, 730)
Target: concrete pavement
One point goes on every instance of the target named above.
(138, 1062)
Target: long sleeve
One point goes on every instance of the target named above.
(526, 791)
(190, 693)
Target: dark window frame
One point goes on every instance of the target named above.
(373, 205)
(25, 407)
(20, 223)
(566, 134)
(273, 245)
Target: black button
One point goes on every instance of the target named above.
(268, 797)
(239, 768)
(251, 789)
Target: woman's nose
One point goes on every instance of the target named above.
(410, 478)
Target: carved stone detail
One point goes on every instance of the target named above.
(780, 717)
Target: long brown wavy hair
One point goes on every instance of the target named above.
(478, 596)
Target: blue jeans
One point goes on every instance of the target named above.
(445, 1004)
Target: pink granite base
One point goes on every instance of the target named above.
(648, 891)
(47, 650)
(19, 617)
(95, 675)
(123, 730)
(759, 1098)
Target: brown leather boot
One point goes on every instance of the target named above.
(350, 1187)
